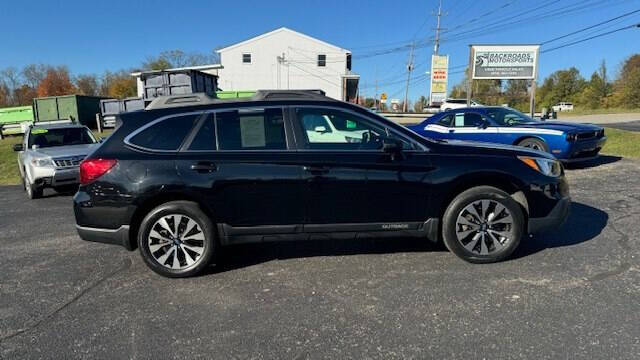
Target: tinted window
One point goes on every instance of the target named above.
(337, 130)
(246, 58)
(261, 129)
(205, 139)
(59, 137)
(167, 134)
(445, 120)
(508, 117)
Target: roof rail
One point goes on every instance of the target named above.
(172, 101)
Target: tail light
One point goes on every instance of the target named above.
(92, 169)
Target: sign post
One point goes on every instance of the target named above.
(439, 78)
(505, 62)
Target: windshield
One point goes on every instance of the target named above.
(60, 137)
(508, 117)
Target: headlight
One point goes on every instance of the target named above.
(40, 162)
(546, 166)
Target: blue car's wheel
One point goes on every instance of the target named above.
(535, 144)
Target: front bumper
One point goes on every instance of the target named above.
(119, 236)
(53, 177)
(584, 150)
(554, 220)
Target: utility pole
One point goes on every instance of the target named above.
(405, 108)
(436, 45)
(375, 99)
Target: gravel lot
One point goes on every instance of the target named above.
(574, 293)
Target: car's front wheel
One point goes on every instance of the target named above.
(33, 191)
(483, 225)
(177, 239)
(535, 144)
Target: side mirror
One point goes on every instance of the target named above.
(320, 129)
(483, 125)
(18, 147)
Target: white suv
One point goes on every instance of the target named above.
(451, 104)
(563, 106)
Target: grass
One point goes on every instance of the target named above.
(575, 112)
(620, 143)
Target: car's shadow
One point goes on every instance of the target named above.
(600, 160)
(240, 256)
(584, 223)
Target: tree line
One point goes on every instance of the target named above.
(601, 91)
(20, 86)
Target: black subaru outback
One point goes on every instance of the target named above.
(192, 173)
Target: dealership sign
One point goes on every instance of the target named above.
(439, 77)
(504, 61)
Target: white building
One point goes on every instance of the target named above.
(286, 59)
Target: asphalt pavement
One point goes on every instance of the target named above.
(573, 293)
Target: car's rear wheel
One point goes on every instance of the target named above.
(177, 239)
(535, 144)
(483, 225)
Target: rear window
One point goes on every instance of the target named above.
(167, 134)
(256, 129)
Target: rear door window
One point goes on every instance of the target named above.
(205, 139)
(165, 135)
(252, 129)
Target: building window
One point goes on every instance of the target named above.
(246, 58)
(349, 62)
(322, 60)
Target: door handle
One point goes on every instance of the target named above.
(316, 169)
(204, 167)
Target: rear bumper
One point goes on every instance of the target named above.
(554, 220)
(119, 236)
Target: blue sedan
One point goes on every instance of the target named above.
(566, 141)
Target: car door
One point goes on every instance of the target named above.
(352, 184)
(471, 126)
(240, 162)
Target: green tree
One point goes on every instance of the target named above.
(562, 85)
(420, 104)
(627, 87)
(87, 84)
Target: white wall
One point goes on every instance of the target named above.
(300, 70)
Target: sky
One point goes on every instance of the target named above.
(91, 36)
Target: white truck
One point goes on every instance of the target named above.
(49, 156)
(563, 106)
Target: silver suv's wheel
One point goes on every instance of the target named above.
(483, 224)
(176, 239)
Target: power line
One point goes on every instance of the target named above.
(591, 38)
(590, 27)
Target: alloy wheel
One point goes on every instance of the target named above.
(484, 227)
(176, 241)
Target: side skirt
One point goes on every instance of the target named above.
(230, 235)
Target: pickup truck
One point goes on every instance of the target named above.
(49, 156)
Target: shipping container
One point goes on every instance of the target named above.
(162, 83)
(116, 106)
(16, 115)
(81, 108)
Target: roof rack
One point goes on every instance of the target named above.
(173, 101)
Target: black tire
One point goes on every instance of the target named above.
(33, 191)
(457, 208)
(534, 143)
(177, 208)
